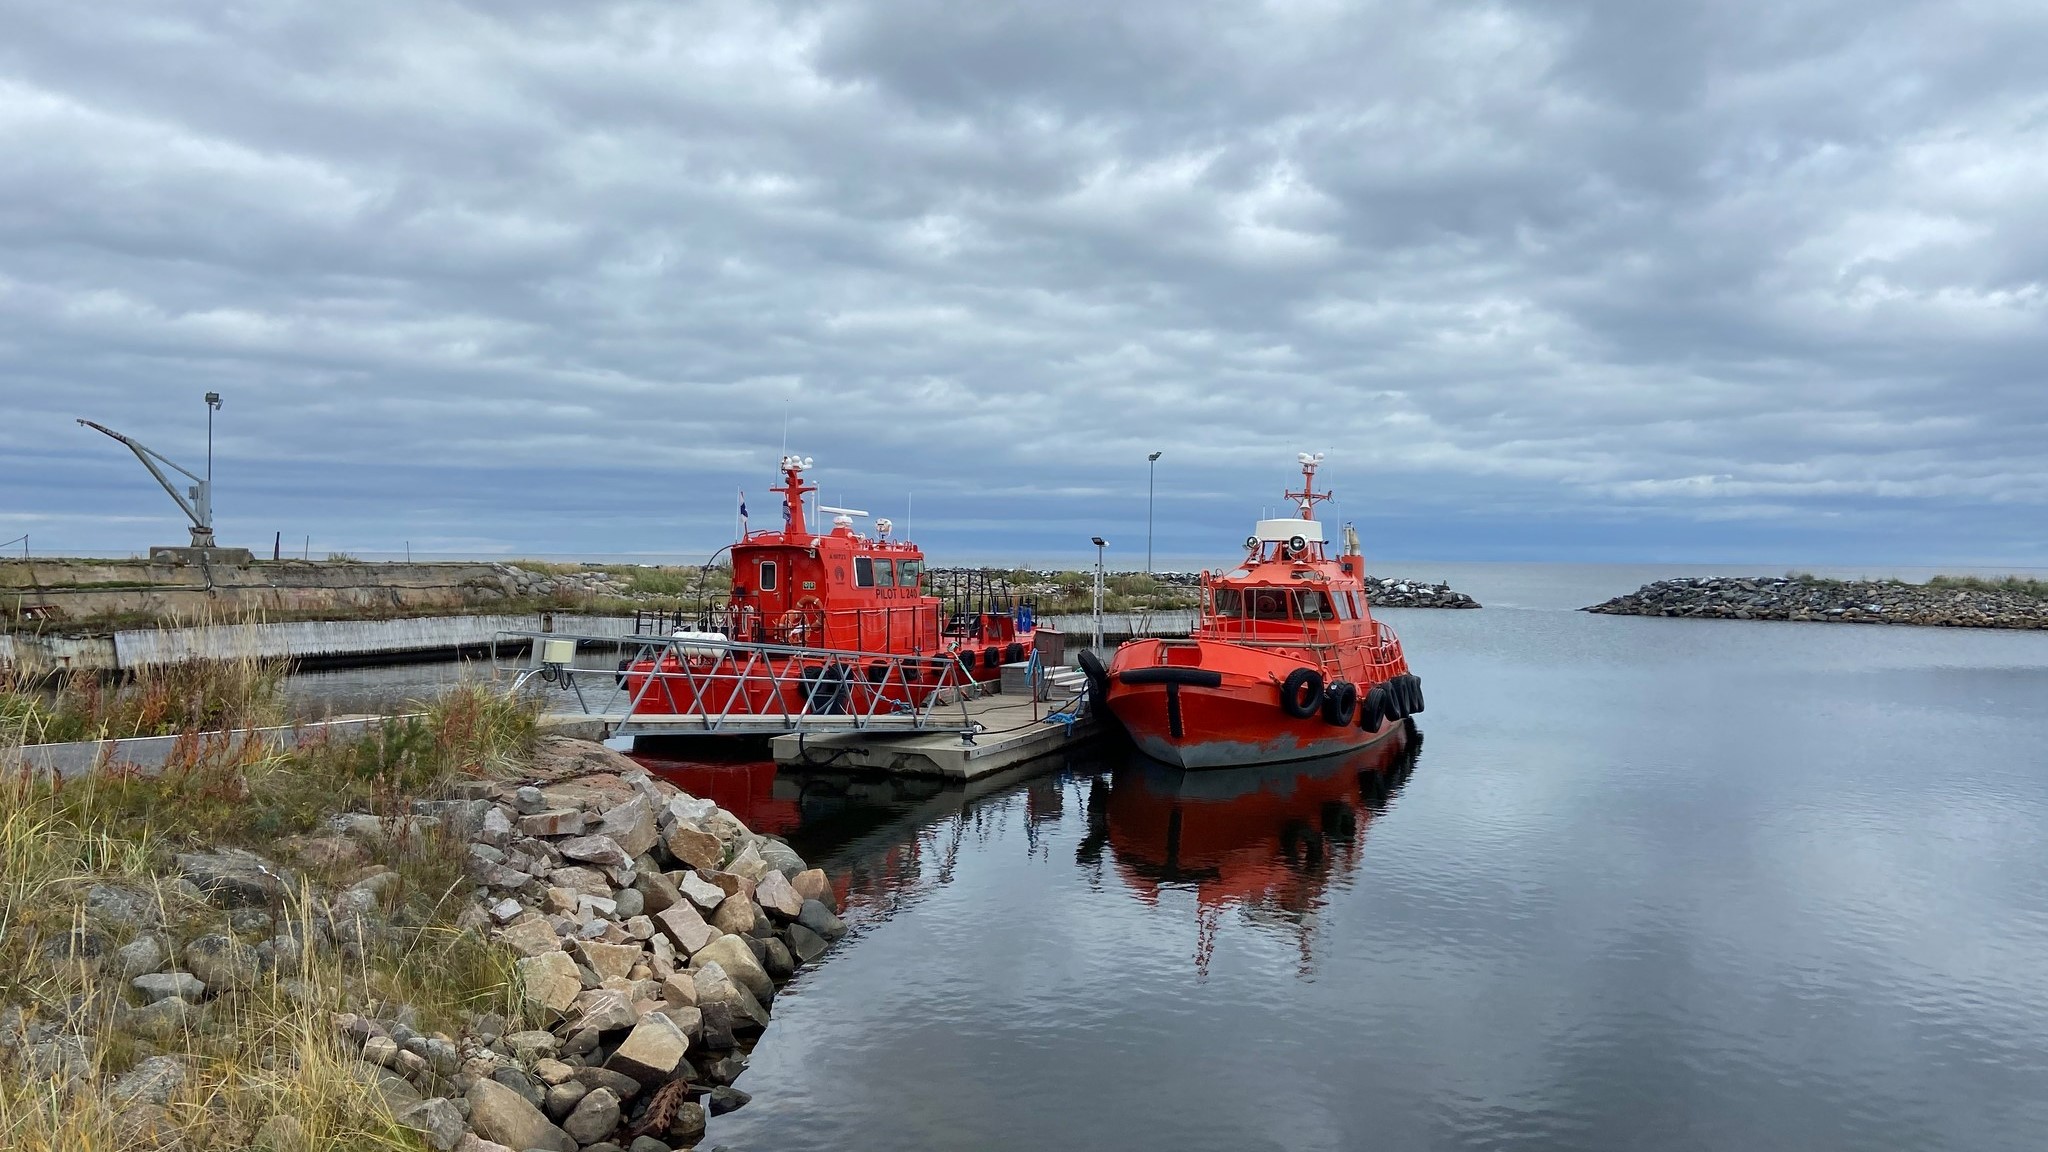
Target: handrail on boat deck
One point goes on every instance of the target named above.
(884, 684)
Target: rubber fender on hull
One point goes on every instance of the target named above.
(1098, 681)
(1397, 700)
(623, 665)
(1415, 693)
(991, 657)
(1014, 654)
(1340, 702)
(1372, 708)
(1301, 694)
(1199, 677)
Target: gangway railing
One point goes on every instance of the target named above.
(673, 685)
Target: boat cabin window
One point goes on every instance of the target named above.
(864, 571)
(885, 573)
(1313, 606)
(1268, 604)
(1346, 609)
(767, 575)
(1229, 603)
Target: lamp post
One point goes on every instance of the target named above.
(212, 406)
(1151, 468)
(1100, 544)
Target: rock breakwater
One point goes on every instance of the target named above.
(1937, 604)
(1393, 592)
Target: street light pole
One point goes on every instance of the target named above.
(1151, 468)
(212, 406)
(1100, 544)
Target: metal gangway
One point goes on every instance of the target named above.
(835, 690)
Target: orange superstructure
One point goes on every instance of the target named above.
(848, 610)
(1285, 663)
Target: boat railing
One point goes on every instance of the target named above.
(728, 682)
(1382, 647)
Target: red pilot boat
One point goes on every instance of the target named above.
(837, 622)
(1285, 663)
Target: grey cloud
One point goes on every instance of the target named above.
(1627, 271)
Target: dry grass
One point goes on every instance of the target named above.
(161, 700)
(2011, 585)
(265, 1067)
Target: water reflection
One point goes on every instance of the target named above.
(1260, 846)
(1262, 842)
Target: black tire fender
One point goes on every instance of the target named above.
(1372, 708)
(1098, 679)
(1301, 694)
(1340, 703)
(1396, 707)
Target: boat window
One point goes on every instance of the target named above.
(767, 575)
(1269, 604)
(1229, 602)
(907, 573)
(864, 571)
(885, 573)
(1345, 609)
(1313, 606)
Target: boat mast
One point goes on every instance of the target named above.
(1308, 497)
(793, 491)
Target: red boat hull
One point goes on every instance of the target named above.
(1232, 725)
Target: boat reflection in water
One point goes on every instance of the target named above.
(1265, 840)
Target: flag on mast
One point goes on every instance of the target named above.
(743, 512)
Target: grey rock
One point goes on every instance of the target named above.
(781, 857)
(657, 892)
(164, 1020)
(223, 962)
(498, 1113)
(438, 1121)
(562, 1098)
(820, 919)
(688, 1125)
(166, 985)
(602, 851)
(775, 957)
(631, 825)
(622, 1085)
(807, 946)
(140, 957)
(234, 878)
(725, 1099)
(122, 907)
(652, 1052)
(701, 892)
(739, 964)
(628, 903)
(153, 1081)
(595, 1117)
(647, 1144)
(519, 1083)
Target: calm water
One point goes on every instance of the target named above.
(1647, 884)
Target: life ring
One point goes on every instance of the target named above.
(1340, 702)
(1301, 693)
(796, 624)
(1372, 708)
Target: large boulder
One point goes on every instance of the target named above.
(437, 1121)
(498, 1113)
(609, 960)
(223, 963)
(684, 928)
(732, 954)
(776, 895)
(596, 1117)
(550, 980)
(236, 879)
(701, 892)
(600, 850)
(653, 1052)
(695, 847)
(813, 884)
(781, 857)
(737, 916)
(631, 825)
(531, 937)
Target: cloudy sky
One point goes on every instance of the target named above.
(1578, 279)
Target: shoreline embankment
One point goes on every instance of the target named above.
(1939, 603)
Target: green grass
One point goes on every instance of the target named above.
(2012, 585)
(270, 1053)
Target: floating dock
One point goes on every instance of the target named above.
(1011, 731)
